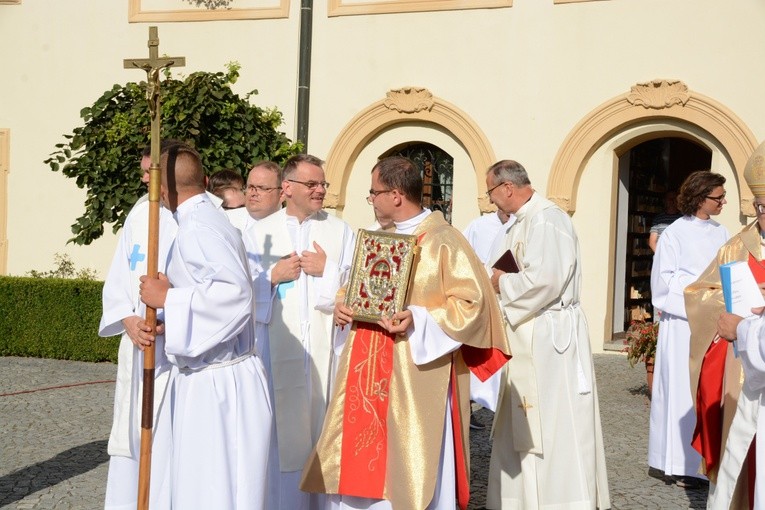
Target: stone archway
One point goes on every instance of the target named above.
(407, 104)
(655, 100)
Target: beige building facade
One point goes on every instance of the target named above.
(583, 93)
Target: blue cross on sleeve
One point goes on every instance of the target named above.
(136, 256)
(281, 289)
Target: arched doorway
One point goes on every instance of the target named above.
(437, 169)
(649, 174)
(649, 110)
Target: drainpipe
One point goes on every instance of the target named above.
(304, 71)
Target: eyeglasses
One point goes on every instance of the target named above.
(373, 194)
(312, 185)
(260, 189)
(717, 199)
(760, 208)
(488, 192)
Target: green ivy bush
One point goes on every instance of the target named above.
(202, 110)
(53, 318)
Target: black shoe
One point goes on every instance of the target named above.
(690, 482)
(475, 424)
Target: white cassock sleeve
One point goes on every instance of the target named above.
(751, 348)
(667, 280)
(427, 341)
(217, 303)
(549, 262)
(335, 274)
(118, 300)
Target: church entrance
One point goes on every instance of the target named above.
(649, 176)
(437, 169)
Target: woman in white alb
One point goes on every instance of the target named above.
(684, 250)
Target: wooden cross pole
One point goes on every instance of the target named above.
(152, 65)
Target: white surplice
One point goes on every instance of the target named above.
(121, 300)
(484, 234)
(749, 418)
(684, 250)
(548, 441)
(238, 217)
(300, 332)
(221, 410)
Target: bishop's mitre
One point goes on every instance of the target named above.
(754, 172)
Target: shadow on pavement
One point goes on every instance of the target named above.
(68, 464)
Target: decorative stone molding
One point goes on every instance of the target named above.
(562, 202)
(669, 99)
(409, 99)
(659, 94)
(404, 105)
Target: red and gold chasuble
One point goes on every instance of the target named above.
(383, 433)
(708, 434)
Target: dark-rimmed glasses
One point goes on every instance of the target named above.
(760, 208)
(260, 189)
(488, 192)
(312, 185)
(374, 193)
(717, 199)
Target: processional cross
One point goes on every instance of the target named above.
(152, 65)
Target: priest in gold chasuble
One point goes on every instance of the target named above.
(396, 432)
(726, 416)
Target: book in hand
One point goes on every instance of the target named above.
(506, 263)
(740, 290)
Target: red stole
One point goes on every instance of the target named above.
(707, 436)
(364, 450)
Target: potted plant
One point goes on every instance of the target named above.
(641, 346)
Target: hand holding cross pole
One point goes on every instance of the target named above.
(152, 65)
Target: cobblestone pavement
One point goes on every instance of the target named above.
(55, 418)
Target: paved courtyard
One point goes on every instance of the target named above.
(55, 418)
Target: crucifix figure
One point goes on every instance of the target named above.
(152, 65)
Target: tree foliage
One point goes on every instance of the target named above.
(104, 154)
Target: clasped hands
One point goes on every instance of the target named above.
(397, 324)
(288, 268)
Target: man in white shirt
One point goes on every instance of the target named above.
(301, 255)
(548, 442)
(221, 411)
(396, 432)
(123, 314)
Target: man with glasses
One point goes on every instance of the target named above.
(396, 434)
(263, 191)
(305, 254)
(548, 441)
(715, 369)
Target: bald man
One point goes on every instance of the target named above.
(220, 407)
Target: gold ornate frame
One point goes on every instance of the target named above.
(350, 7)
(137, 14)
(380, 275)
